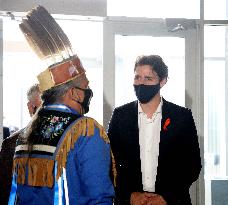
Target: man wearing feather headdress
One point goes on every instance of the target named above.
(62, 157)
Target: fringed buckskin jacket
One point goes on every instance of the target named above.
(69, 163)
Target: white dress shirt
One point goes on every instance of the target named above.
(149, 139)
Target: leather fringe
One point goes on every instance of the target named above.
(40, 171)
(114, 171)
(83, 127)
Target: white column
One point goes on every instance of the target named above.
(108, 72)
(226, 96)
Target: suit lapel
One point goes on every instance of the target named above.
(165, 122)
(133, 135)
(135, 152)
(133, 131)
(133, 120)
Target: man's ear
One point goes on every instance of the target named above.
(163, 82)
(73, 94)
(30, 108)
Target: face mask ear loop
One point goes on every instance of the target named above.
(85, 103)
(82, 111)
(79, 88)
(80, 103)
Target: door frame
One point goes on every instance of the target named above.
(185, 28)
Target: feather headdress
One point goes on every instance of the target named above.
(50, 43)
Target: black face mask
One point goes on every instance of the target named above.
(145, 93)
(88, 94)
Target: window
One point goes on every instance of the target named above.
(21, 66)
(215, 9)
(215, 106)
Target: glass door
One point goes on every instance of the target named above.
(175, 40)
(171, 49)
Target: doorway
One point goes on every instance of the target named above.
(177, 42)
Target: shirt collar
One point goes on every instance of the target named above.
(158, 110)
(61, 107)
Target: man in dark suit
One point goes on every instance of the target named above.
(6, 132)
(154, 142)
(8, 147)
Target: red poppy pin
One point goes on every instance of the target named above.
(167, 122)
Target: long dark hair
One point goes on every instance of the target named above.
(51, 96)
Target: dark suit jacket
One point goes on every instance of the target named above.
(179, 162)
(6, 132)
(6, 165)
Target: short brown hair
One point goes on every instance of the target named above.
(156, 62)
